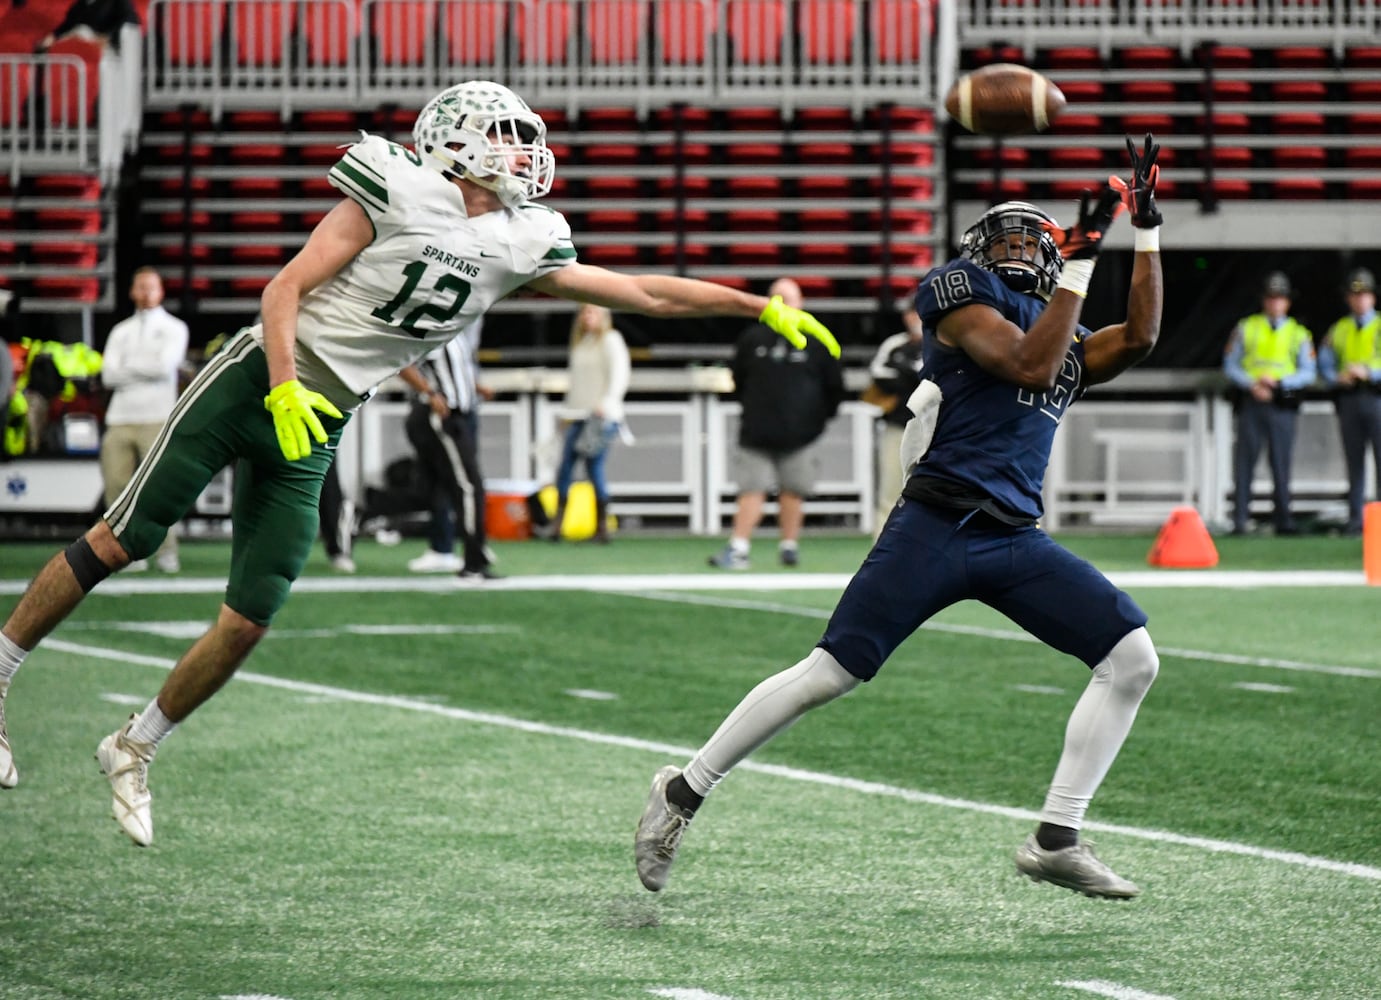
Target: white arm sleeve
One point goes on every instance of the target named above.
(924, 405)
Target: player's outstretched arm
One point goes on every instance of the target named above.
(668, 296)
(1113, 349)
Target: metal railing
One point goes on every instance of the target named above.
(1186, 24)
(290, 54)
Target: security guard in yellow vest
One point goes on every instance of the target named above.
(1350, 360)
(1269, 359)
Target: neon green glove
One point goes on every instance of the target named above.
(292, 406)
(794, 324)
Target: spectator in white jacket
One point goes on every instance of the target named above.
(140, 365)
(598, 373)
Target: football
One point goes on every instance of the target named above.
(1004, 99)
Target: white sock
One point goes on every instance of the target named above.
(787, 545)
(152, 726)
(768, 709)
(1098, 726)
(739, 545)
(11, 656)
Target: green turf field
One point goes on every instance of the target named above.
(420, 790)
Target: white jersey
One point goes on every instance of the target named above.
(430, 272)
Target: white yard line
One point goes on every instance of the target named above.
(1130, 579)
(1116, 991)
(670, 750)
(682, 993)
(1011, 635)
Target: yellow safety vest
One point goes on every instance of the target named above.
(1354, 345)
(1271, 352)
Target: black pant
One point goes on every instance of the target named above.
(337, 516)
(1273, 425)
(449, 459)
(1359, 424)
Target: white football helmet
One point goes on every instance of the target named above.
(1010, 240)
(483, 132)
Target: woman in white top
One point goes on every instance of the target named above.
(597, 381)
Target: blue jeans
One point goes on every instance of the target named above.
(594, 464)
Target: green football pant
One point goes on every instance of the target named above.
(220, 420)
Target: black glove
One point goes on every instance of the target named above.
(1081, 241)
(1140, 195)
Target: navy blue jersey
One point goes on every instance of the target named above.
(992, 438)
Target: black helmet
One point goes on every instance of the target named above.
(1277, 283)
(1360, 280)
(993, 229)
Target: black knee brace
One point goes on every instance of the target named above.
(86, 566)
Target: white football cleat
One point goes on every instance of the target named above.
(659, 832)
(1075, 868)
(433, 561)
(9, 777)
(126, 764)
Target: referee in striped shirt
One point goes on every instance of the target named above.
(442, 428)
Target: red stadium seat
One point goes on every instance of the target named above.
(613, 186)
(901, 30)
(755, 119)
(1362, 157)
(546, 40)
(1086, 159)
(817, 119)
(1074, 57)
(814, 286)
(689, 186)
(1365, 123)
(1229, 89)
(1158, 91)
(1008, 189)
(257, 186)
(897, 286)
(696, 255)
(1298, 123)
(1226, 189)
(826, 254)
(690, 220)
(754, 254)
(826, 153)
(246, 254)
(1302, 57)
(15, 81)
(615, 30)
(1226, 124)
(755, 153)
(248, 287)
(1230, 56)
(261, 32)
(754, 186)
(82, 187)
(754, 220)
(68, 103)
(1007, 156)
(1081, 91)
(688, 153)
(613, 221)
(473, 31)
(260, 222)
(1078, 124)
(1303, 91)
(826, 28)
(1139, 124)
(191, 32)
(76, 254)
(1299, 188)
(610, 120)
(330, 30)
(613, 255)
(614, 154)
(683, 31)
(401, 32)
(757, 30)
(1363, 57)
(1364, 190)
(78, 289)
(828, 220)
(1300, 157)
(1145, 57)
(69, 220)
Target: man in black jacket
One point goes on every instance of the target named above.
(788, 396)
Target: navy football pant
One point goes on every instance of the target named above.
(928, 558)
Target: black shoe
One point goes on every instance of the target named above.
(479, 574)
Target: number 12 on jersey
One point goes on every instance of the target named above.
(412, 277)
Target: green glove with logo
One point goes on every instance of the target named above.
(292, 406)
(794, 324)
